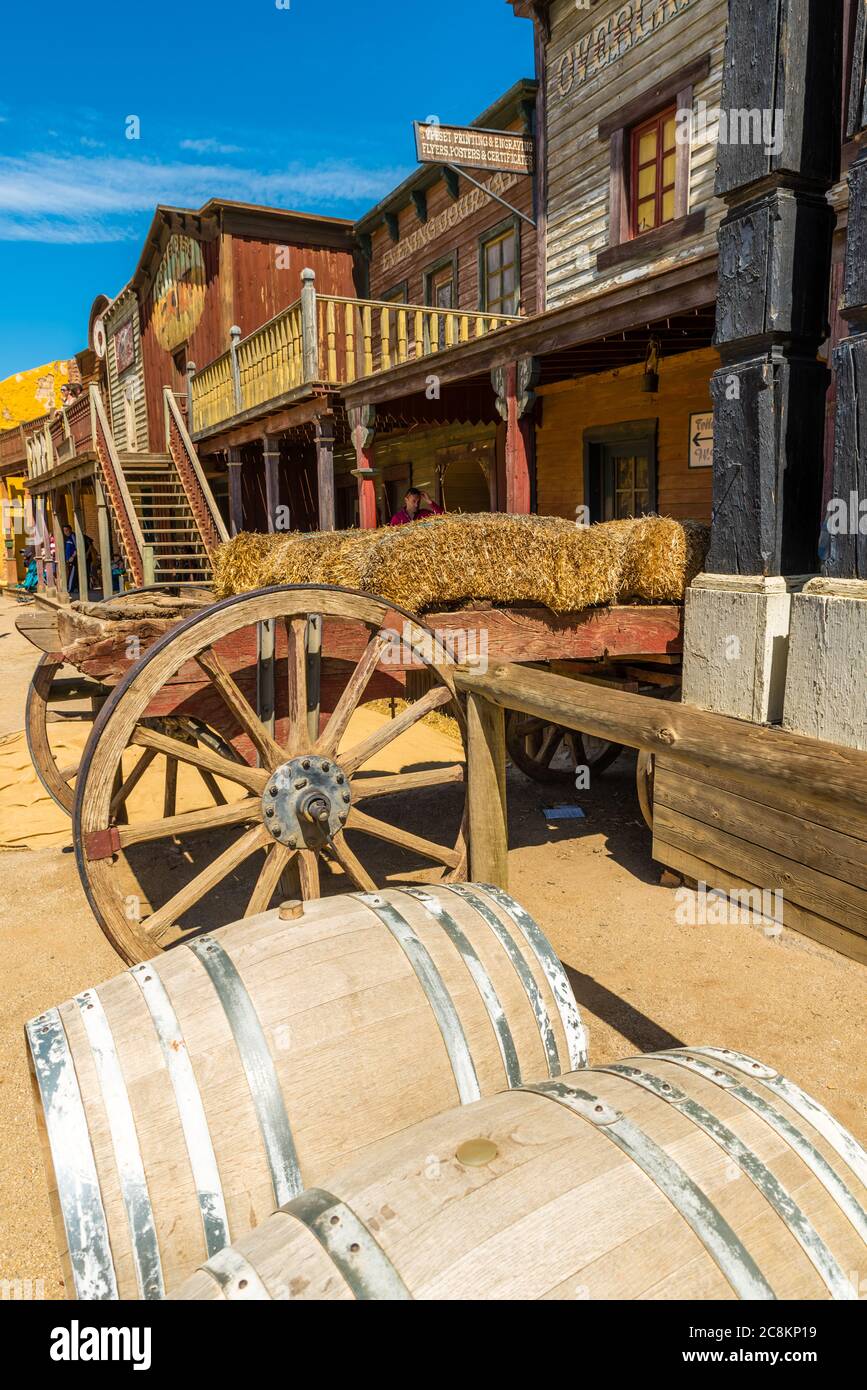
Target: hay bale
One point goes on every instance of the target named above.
(661, 558)
(493, 557)
(238, 564)
(501, 558)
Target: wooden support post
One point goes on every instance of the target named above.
(845, 549)
(80, 546)
(59, 549)
(236, 502)
(486, 778)
(362, 421)
(516, 400)
(105, 542)
(324, 425)
(271, 453)
(309, 327)
(783, 60)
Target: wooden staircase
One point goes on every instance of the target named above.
(166, 519)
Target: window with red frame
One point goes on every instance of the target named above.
(654, 163)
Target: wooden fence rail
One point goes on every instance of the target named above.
(740, 805)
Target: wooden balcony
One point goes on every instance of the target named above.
(54, 440)
(324, 341)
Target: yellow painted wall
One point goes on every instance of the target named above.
(570, 408)
(27, 395)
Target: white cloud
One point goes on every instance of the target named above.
(45, 197)
(209, 146)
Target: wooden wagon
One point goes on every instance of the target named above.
(253, 696)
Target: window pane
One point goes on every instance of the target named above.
(642, 503)
(494, 255)
(624, 473)
(646, 216)
(668, 169)
(647, 147)
(647, 182)
(508, 280)
(507, 249)
(668, 206)
(641, 473)
(668, 135)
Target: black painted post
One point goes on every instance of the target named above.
(778, 155)
(847, 513)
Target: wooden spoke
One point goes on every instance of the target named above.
(166, 917)
(308, 868)
(67, 773)
(124, 789)
(329, 742)
(296, 675)
(550, 743)
(189, 822)
(383, 736)
(170, 796)
(441, 854)
(276, 860)
(210, 782)
(354, 869)
(254, 778)
(233, 697)
(406, 781)
(314, 676)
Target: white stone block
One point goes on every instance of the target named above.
(826, 688)
(736, 645)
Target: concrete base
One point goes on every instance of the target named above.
(736, 645)
(826, 688)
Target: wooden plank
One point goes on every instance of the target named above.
(817, 892)
(486, 772)
(641, 722)
(803, 801)
(838, 855)
(795, 918)
(536, 634)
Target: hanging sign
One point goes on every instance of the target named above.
(468, 147)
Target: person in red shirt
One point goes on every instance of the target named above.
(413, 510)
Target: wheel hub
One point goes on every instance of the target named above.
(306, 802)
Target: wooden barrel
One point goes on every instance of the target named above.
(185, 1100)
(691, 1174)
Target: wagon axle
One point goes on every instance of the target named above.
(306, 802)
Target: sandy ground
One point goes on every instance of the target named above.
(643, 980)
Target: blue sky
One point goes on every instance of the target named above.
(306, 107)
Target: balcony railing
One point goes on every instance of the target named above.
(12, 447)
(325, 340)
(57, 438)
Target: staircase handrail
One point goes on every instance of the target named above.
(114, 483)
(205, 498)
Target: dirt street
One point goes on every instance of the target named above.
(643, 980)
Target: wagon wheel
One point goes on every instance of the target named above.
(283, 826)
(644, 785)
(51, 704)
(53, 701)
(552, 753)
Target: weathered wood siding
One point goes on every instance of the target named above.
(570, 408)
(454, 225)
(585, 87)
(248, 279)
(132, 377)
